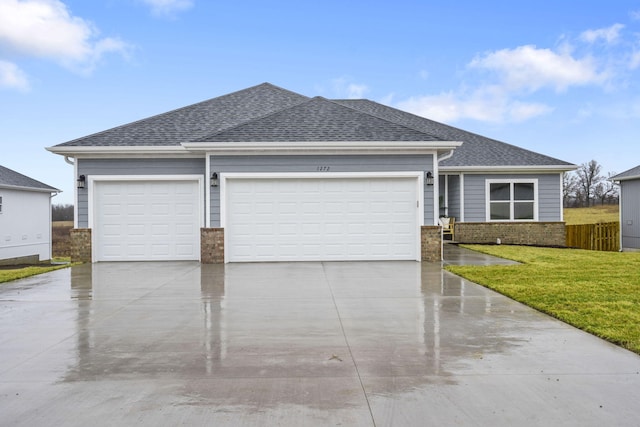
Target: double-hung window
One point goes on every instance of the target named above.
(512, 200)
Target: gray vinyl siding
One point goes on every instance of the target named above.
(254, 164)
(549, 205)
(88, 167)
(630, 213)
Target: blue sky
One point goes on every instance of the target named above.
(557, 77)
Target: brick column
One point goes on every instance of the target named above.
(80, 244)
(431, 243)
(212, 245)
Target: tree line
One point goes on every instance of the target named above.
(62, 212)
(587, 186)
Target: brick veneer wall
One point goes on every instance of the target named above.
(212, 245)
(512, 233)
(431, 243)
(80, 244)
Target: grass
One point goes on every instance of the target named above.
(61, 248)
(592, 215)
(7, 275)
(598, 292)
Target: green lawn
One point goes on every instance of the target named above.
(598, 292)
(7, 275)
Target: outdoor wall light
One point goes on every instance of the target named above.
(214, 179)
(428, 178)
(81, 181)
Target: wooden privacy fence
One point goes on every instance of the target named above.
(596, 237)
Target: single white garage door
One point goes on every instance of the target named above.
(146, 220)
(321, 219)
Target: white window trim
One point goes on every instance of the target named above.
(487, 193)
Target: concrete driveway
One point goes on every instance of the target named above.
(297, 344)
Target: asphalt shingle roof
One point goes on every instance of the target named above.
(10, 178)
(318, 119)
(631, 173)
(197, 120)
(267, 113)
(476, 150)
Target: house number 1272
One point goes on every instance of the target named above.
(323, 168)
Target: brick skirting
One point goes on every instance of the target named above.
(212, 245)
(431, 243)
(512, 233)
(80, 244)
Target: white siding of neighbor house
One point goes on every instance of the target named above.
(549, 191)
(630, 214)
(88, 167)
(318, 164)
(25, 224)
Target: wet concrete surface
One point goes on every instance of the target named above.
(300, 344)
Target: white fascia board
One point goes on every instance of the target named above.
(94, 151)
(507, 169)
(32, 189)
(626, 178)
(323, 147)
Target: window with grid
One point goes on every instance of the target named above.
(512, 200)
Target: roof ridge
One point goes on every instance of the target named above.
(377, 116)
(312, 99)
(175, 110)
(230, 128)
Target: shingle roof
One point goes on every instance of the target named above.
(194, 121)
(12, 179)
(267, 113)
(633, 173)
(476, 150)
(318, 119)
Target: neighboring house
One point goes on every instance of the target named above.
(25, 218)
(629, 208)
(266, 174)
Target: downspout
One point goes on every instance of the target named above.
(446, 156)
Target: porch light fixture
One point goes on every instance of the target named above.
(81, 181)
(214, 179)
(428, 178)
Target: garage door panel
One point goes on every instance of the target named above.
(147, 220)
(321, 219)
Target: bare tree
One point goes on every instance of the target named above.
(569, 189)
(606, 191)
(588, 179)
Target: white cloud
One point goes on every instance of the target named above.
(634, 60)
(529, 68)
(47, 29)
(609, 35)
(486, 104)
(168, 7)
(12, 77)
(343, 88)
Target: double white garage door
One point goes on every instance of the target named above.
(321, 219)
(265, 219)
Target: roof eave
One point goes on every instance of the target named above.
(509, 168)
(322, 147)
(625, 178)
(33, 189)
(74, 151)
